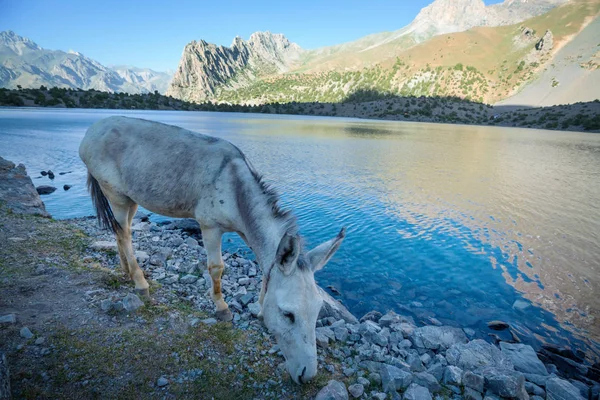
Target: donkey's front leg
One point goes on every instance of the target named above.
(212, 243)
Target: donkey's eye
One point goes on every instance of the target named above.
(289, 316)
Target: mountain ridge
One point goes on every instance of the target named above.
(403, 63)
(24, 63)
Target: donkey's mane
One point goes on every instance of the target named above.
(285, 216)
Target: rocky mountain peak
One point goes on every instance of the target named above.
(17, 44)
(205, 66)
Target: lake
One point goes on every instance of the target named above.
(463, 224)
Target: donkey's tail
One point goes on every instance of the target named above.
(106, 218)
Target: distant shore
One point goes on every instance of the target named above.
(584, 117)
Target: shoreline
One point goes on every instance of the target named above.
(578, 117)
(374, 356)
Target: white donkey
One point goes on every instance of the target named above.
(183, 174)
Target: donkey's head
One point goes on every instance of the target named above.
(292, 302)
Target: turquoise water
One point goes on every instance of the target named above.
(444, 221)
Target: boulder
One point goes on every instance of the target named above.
(417, 392)
(437, 337)
(17, 190)
(132, 302)
(356, 390)
(371, 316)
(393, 378)
(427, 380)
(333, 308)
(523, 358)
(473, 381)
(477, 354)
(333, 391)
(452, 375)
(560, 389)
(505, 382)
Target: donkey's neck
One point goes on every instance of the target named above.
(264, 237)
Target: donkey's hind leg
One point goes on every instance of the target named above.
(212, 243)
(123, 210)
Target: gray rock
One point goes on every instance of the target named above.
(17, 190)
(452, 375)
(106, 305)
(172, 279)
(417, 392)
(539, 380)
(471, 394)
(473, 381)
(188, 279)
(388, 319)
(583, 388)
(476, 354)
(132, 302)
(8, 319)
(341, 333)
(523, 358)
(162, 382)
(209, 321)
(103, 245)
(427, 380)
(534, 389)
(40, 341)
(505, 383)
(560, 389)
(254, 309)
(371, 316)
(158, 260)
(246, 299)
(333, 308)
(45, 189)
(245, 281)
(322, 339)
(437, 370)
(414, 361)
(364, 381)
(393, 378)
(25, 333)
(437, 337)
(141, 256)
(333, 391)
(356, 390)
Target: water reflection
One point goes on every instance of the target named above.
(444, 221)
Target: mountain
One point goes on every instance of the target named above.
(453, 48)
(24, 63)
(204, 67)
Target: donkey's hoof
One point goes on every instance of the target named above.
(224, 315)
(144, 293)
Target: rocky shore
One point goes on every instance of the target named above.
(70, 326)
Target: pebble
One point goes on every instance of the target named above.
(40, 340)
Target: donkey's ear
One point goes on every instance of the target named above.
(287, 253)
(319, 256)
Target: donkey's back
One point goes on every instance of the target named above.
(164, 168)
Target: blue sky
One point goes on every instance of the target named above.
(153, 33)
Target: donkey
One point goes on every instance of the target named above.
(183, 174)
